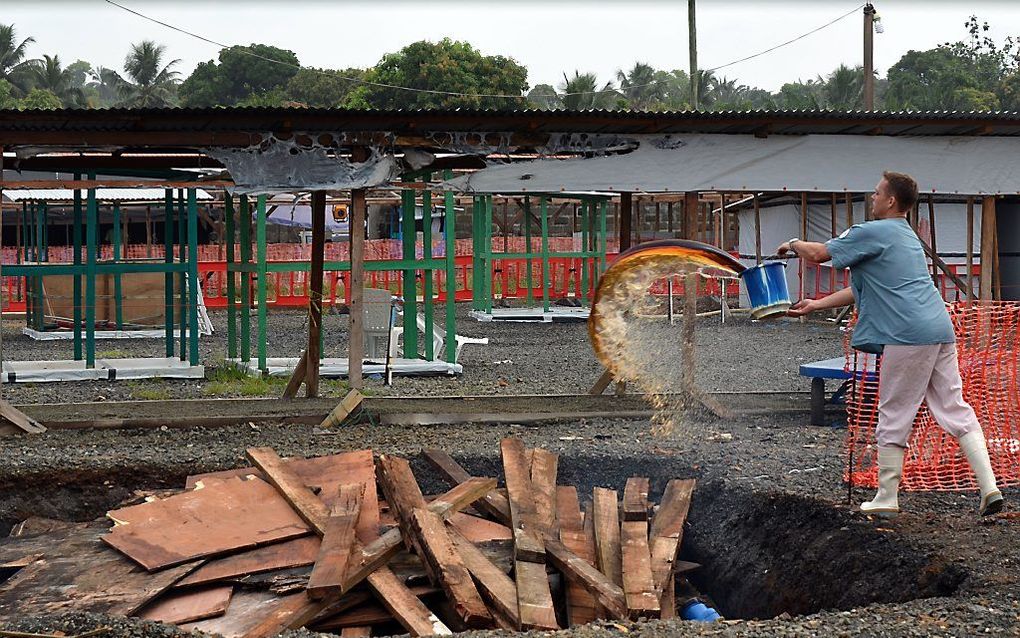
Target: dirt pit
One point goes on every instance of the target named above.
(763, 554)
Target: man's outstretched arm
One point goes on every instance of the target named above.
(812, 251)
(844, 297)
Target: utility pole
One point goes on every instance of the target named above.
(869, 57)
(692, 37)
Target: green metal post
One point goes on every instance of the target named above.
(39, 306)
(245, 222)
(585, 250)
(182, 236)
(91, 232)
(529, 281)
(603, 238)
(76, 238)
(426, 224)
(410, 289)
(476, 254)
(544, 208)
(117, 289)
(260, 240)
(193, 276)
(487, 253)
(228, 211)
(450, 228)
(168, 278)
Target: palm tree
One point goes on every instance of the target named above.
(706, 88)
(844, 88)
(108, 85)
(727, 94)
(13, 65)
(581, 92)
(642, 86)
(150, 83)
(48, 74)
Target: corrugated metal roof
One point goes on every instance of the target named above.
(102, 194)
(422, 121)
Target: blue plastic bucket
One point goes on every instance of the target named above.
(766, 289)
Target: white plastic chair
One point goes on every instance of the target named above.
(378, 321)
(438, 340)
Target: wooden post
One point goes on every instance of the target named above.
(757, 229)
(803, 236)
(934, 241)
(690, 225)
(987, 246)
(970, 249)
(869, 57)
(356, 351)
(626, 213)
(690, 322)
(832, 271)
(312, 351)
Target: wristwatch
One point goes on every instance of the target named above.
(790, 241)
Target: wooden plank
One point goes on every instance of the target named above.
(296, 378)
(441, 557)
(544, 465)
(337, 544)
(581, 605)
(356, 326)
(318, 214)
(246, 611)
(635, 499)
(410, 612)
(223, 517)
(534, 598)
(327, 473)
(523, 514)
(76, 572)
(21, 420)
(290, 486)
(348, 405)
(987, 248)
(402, 494)
(294, 553)
(355, 632)
(494, 504)
(606, 592)
(667, 529)
(493, 582)
(479, 530)
(638, 584)
(179, 607)
(607, 534)
(668, 601)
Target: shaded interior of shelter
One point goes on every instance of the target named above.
(762, 553)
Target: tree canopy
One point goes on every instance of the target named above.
(241, 73)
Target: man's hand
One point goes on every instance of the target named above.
(803, 308)
(784, 248)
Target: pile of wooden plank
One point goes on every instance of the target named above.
(348, 543)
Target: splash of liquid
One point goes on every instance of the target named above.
(628, 340)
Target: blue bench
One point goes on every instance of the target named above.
(819, 371)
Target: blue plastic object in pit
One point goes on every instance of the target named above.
(699, 611)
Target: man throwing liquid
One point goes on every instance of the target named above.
(902, 317)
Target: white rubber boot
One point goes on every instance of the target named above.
(974, 446)
(890, 469)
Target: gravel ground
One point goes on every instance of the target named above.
(740, 355)
(770, 498)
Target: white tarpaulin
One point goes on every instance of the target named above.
(825, 163)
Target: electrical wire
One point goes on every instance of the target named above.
(456, 93)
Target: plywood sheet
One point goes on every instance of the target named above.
(247, 609)
(78, 572)
(293, 553)
(326, 473)
(178, 607)
(222, 517)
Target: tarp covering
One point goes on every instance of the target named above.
(683, 163)
(102, 195)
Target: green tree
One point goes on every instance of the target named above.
(544, 96)
(40, 99)
(14, 67)
(801, 95)
(582, 93)
(642, 86)
(149, 82)
(323, 87)
(844, 88)
(676, 89)
(241, 73)
(935, 80)
(105, 86)
(447, 66)
(48, 74)
(727, 95)
(7, 99)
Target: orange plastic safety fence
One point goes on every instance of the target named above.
(988, 347)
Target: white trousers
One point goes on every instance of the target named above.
(912, 374)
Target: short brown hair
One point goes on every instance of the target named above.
(903, 188)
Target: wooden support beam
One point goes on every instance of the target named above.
(520, 493)
(494, 504)
(635, 499)
(581, 605)
(356, 347)
(315, 293)
(296, 378)
(20, 420)
(601, 384)
(626, 217)
(410, 612)
(442, 560)
(403, 495)
(290, 486)
(970, 249)
(534, 598)
(692, 210)
(543, 478)
(638, 584)
(607, 533)
(987, 247)
(337, 544)
(667, 530)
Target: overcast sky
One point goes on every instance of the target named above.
(547, 37)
